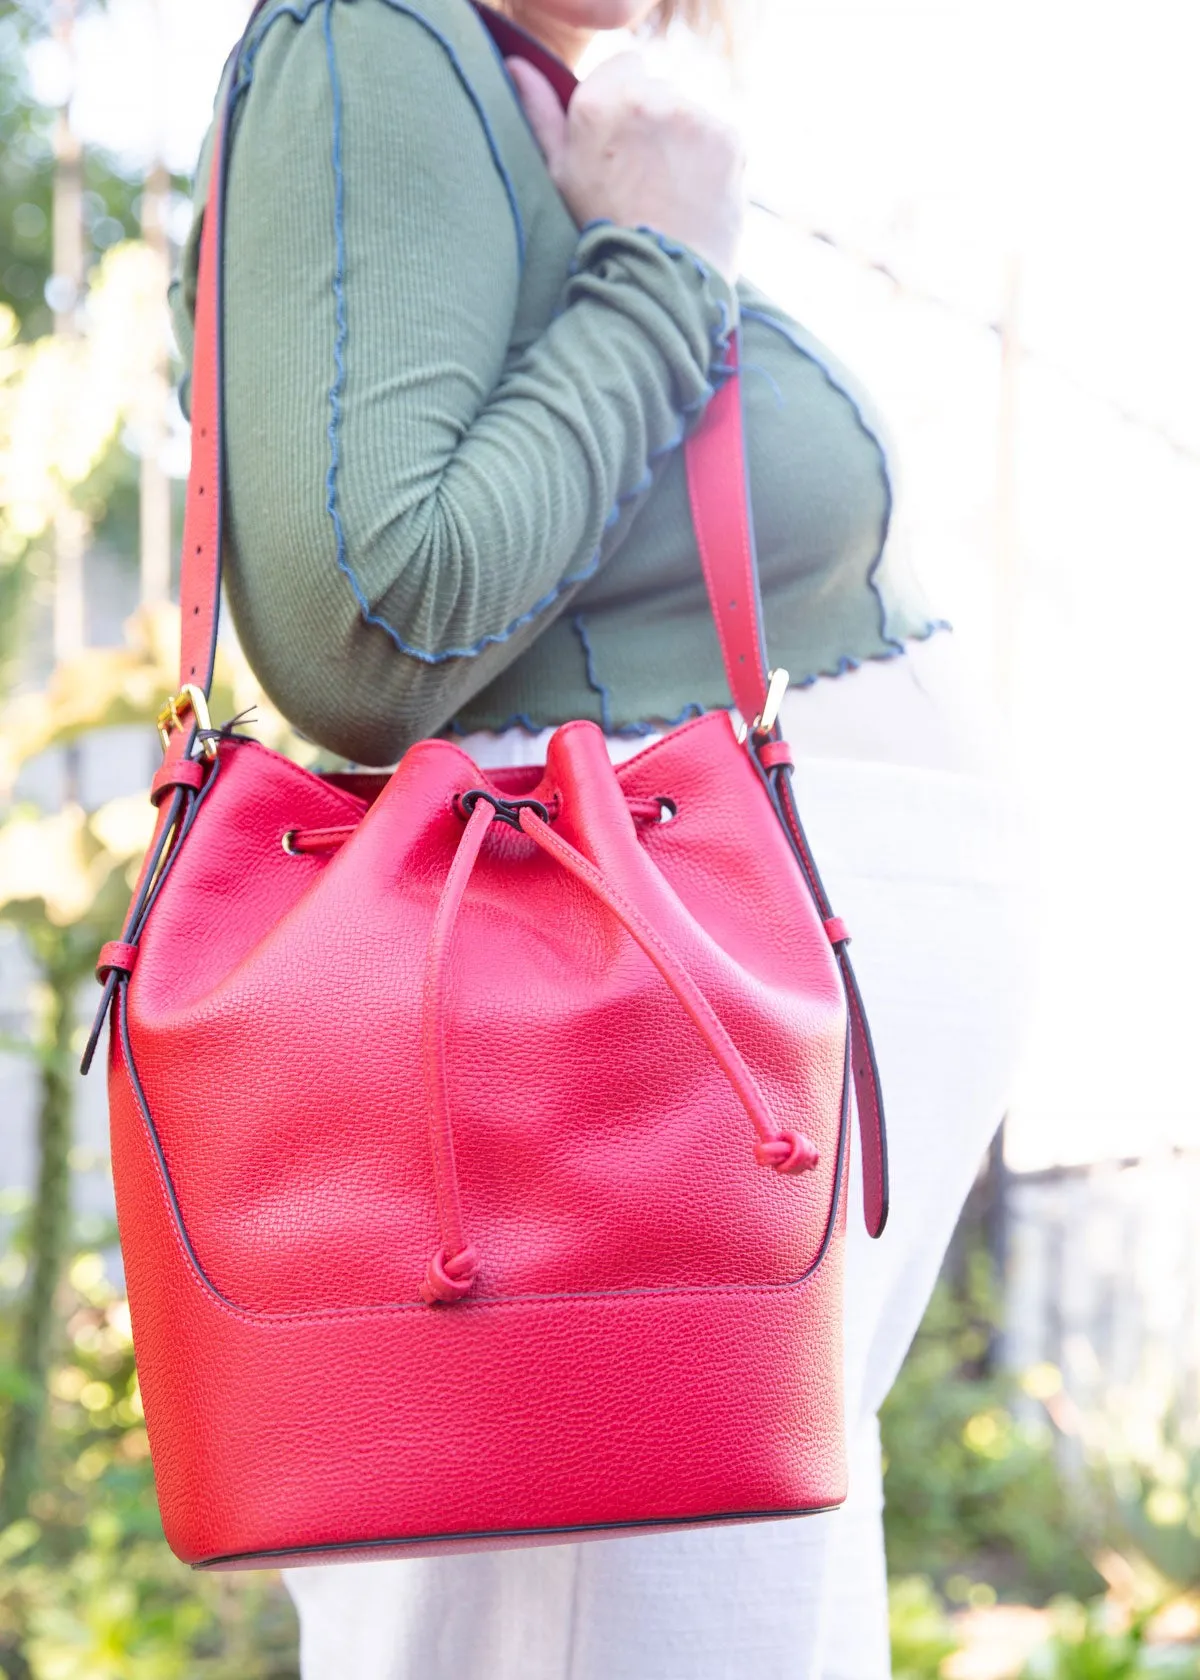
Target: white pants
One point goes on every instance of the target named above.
(921, 862)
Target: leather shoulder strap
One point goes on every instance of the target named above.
(715, 455)
(200, 561)
(720, 499)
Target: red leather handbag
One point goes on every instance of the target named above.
(480, 1140)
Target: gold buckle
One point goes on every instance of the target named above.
(778, 682)
(189, 699)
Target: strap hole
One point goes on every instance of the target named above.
(667, 809)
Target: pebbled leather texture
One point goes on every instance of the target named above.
(315, 978)
(649, 1336)
(504, 1222)
(396, 1428)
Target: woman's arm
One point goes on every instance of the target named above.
(411, 499)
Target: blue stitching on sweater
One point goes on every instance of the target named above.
(300, 11)
(493, 638)
(594, 683)
(722, 335)
(245, 69)
(692, 709)
(674, 249)
(288, 8)
(643, 726)
(336, 389)
(539, 607)
(718, 339)
(518, 720)
(894, 650)
(872, 574)
(341, 327)
(243, 60)
(448, 48)
(765, 373)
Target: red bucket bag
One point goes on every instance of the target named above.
(480, 1140)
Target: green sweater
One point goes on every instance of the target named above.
(456, 493)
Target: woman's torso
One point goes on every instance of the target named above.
(630, 645)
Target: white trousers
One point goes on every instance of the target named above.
(924, 866)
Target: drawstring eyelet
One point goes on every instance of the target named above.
(507, 810)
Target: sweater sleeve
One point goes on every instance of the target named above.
(414, 496)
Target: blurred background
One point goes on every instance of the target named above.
(987, 208)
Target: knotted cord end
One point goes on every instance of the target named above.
(790, 1152)
(447, 1281)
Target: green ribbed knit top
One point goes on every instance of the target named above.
(456, 491)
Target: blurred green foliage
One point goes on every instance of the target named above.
(921, 1632)
(1090, 1643)
(110, 206)
(973, 1490)
(1148, 1457)
(26, 182)
(979, 1509)
(1094, 1641)
(88, 1589)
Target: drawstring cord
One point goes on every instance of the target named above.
(452, 1271)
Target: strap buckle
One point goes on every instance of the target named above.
(190, 700)
(778, 682)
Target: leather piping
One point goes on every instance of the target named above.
(876, 1176)
(175, 828)
(320, 1548)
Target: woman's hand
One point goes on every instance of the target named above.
(631, 149)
